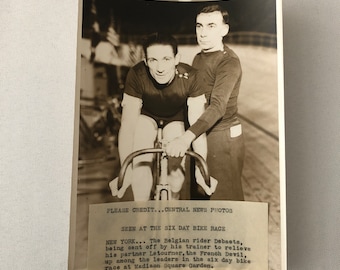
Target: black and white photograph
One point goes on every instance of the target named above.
(109, 113)
(178, 101)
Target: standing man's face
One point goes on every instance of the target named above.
(161, 62)
(210, 30)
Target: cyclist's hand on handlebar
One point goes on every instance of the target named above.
(200, 180)
(177, 147)
(114, 188)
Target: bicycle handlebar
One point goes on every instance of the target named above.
(202, 165)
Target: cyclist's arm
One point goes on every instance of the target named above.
(131, 111)
(196, 106)
(180, 145)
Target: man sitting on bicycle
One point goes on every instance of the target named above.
(160, 88)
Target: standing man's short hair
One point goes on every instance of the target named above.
(160, 38)
(213, 8)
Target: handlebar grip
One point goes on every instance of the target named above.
(202, 165)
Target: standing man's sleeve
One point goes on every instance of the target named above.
(228, 75)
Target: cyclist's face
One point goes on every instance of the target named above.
(210, 30)
(161, 62)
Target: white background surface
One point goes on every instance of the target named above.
(37, 81)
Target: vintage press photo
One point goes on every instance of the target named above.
(242, 210)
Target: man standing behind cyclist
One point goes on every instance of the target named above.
(158, 88)
(220, 71)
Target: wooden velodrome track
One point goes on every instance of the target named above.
(258, 109)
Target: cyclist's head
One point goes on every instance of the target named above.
(160, 39)
(161, 57)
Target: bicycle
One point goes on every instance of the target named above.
(162, 190)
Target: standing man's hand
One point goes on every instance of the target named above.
(178, 146)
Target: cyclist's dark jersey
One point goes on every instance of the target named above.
(166, 102)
